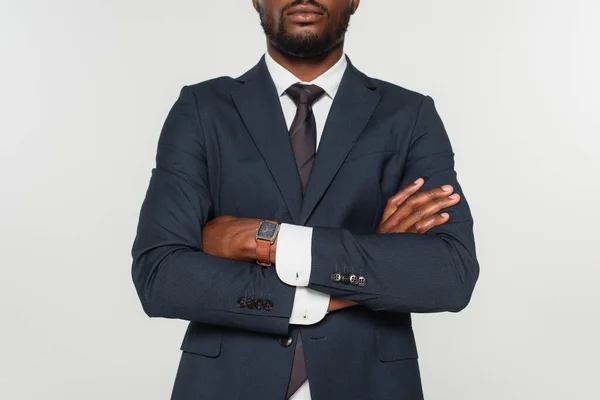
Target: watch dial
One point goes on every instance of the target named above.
(267, 230)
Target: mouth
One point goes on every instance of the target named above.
(305, 13)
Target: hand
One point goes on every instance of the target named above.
(408, 211)
(337, 304)
(231, 238)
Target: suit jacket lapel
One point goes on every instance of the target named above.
(352, 108)
(258, 103)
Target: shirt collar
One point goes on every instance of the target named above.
(329, 81)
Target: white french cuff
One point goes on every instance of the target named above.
(294, 258)
(309, 307)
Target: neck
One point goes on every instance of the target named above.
(307, 69)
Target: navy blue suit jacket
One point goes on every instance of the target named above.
(224, 150)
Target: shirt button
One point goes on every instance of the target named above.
(286, 341)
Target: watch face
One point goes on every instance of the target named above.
(266, 230)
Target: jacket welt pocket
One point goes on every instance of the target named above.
(395, 343)
(202, 339)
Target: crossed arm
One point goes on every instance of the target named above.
(407, 211)
(407, 271)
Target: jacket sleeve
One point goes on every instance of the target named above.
(173, 277)
(407, 272)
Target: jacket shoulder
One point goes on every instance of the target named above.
(393, 92)
(213, 88)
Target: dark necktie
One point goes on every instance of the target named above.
(303, 132)
(303, 136)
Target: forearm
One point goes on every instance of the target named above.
(178, 282)
(173, 276)
(405, 272)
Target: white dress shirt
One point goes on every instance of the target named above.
(293, 259)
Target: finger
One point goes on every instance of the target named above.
(414, 202)
(407, 191)
(392, 203)
(427, 210)
(425, 225)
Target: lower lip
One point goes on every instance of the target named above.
(305, 17)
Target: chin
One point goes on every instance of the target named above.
(301, 31)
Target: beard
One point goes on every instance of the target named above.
(305, 45)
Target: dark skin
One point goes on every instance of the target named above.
(231, 237)
(307, 68)
(406, 211)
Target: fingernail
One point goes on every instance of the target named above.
(447, 188)
(418, 181)
(445, 215)
(454, 196)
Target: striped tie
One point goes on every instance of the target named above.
(303, 136)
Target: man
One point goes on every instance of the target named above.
(295, 287)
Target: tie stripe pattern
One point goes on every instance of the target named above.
(303, 136)
(303, 131)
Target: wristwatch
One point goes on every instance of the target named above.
(265, 236)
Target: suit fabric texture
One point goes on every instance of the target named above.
(225, 150)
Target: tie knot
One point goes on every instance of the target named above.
(305, 94)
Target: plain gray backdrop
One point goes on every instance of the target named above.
(86, 85)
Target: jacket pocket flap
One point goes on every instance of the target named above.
(202, 339)
(395, 343)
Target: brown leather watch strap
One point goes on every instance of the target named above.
(263, 252)
(263, 248)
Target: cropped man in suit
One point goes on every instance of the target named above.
(294, 218)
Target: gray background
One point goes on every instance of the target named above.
(85, 87)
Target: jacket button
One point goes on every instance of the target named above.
(251, 303)
(336, 277)
(242, 302)
(345, 279)
(362, 281)
(353, 279)
(286, 341)
(259, 304)
(267, 305)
